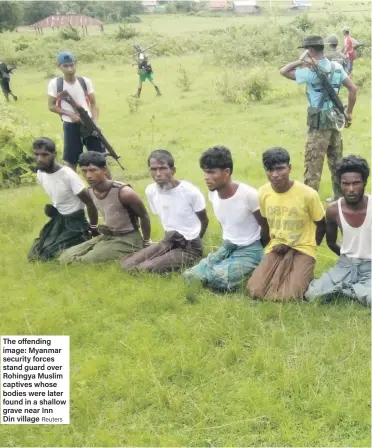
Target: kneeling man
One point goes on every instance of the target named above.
(235, 205)
(121, 208)
(352, 214)
(67, 226)
(181, 208)
(293, 225)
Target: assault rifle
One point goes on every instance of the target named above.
(332, 95)
(89, 126)
(139, 50)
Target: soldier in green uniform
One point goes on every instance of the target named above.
(145, 71)
(333, 54)
(5, 73)
(324, 136)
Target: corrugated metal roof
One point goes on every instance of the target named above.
(148, 2)
(216, 4)
(61, 20)
(245, 2)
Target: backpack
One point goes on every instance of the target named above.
(81, 82)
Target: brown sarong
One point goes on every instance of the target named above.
(171, 254)
(282, 277)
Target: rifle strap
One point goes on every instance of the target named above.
(325, 95)
(83, 86)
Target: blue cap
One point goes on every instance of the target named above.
(65, 57)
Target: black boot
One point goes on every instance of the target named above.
(138, 94)
(157, 91)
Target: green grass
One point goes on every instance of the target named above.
(148, 368)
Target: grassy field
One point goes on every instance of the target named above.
(147, 367)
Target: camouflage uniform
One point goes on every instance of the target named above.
(319, 142)
(336, 56)
(323, 135)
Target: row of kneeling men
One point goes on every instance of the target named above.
(270, 236)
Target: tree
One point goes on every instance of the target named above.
(11, 14)
(35, 11)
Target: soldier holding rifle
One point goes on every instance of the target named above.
(81, 90)
(325, 115)
(144, 69)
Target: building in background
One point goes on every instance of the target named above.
(149, 5)
(215, 5)
(245, 6)
(63, 20)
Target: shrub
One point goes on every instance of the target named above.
(132, 19)
(16, 156)
(70, 33)
(303, 22)
(243, 86)
(125, 33)
(133, 104)
(257, 85)
(183, 80)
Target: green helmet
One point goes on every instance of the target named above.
(332, 39)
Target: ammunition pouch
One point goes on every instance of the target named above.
(321, 119)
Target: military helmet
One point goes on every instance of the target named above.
(332, 39)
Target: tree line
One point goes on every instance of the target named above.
(16, 13)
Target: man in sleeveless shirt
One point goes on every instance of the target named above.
(293, 226)
(123, 213)
(181, 208)
(236, 207)
(352, 215)
(67, 225)
(323, 135)
(81, 90)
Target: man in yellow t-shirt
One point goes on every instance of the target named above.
(292, 227)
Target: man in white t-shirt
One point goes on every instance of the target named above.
(181, 208)
(236, 207)
(68, 225)
(81, 90)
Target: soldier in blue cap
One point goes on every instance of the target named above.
(81, 90)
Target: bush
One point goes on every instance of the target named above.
(70, 33)
(132, 19)
(183, 80)
(243, 86)
(16, 156)
(303, 22)
(125, 33)
(257, 85)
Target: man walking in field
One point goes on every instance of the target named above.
(5, 73)
(81, 90)
(292, 226)
(123, 212)
(144, 70)
(349, 51)
(235, 205)
(352, 215)
(324, 136)
(67, 226)
(181, 208)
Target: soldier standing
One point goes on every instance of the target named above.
(333, 54)
(144, 70)
(5, 73)
(324, 136)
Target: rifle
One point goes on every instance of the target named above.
(89, 125)
(339, 107)
(138, 51)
